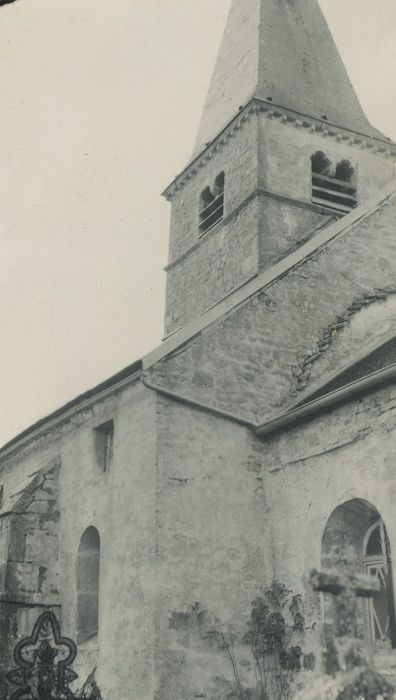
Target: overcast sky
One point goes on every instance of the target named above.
(100, 103)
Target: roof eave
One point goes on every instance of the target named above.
(81, 402)
(323, 403)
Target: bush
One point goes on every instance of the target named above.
(275, 635)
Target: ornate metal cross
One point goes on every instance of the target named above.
(346, 585)
(43, 661)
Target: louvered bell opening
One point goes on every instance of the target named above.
(211, 214)
(333, 185)
(334, 193)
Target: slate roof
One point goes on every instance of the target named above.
(280, 50)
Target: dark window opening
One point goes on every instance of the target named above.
(211, 205)
(88, 567)
(333, 187)
(104, 439)
(344, 171)
(374, 544)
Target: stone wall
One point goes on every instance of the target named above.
(29, 534)
(214, 549)
(202, 269)
(365, 325)
(285, 158)
(250, 362)
(285, 151)
(120, 503)
(315, 467)
(268, 209)
(226, 257)
(235, 512)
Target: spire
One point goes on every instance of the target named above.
(281, 51)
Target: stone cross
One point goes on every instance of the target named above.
(346, 585)
(350, 675)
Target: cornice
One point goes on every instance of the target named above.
(386, 148)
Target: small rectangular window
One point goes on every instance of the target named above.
(104, 438)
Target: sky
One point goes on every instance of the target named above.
(100, 104)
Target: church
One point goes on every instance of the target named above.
(262, 431)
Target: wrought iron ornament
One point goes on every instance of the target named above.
(43, 662)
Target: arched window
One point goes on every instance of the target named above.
(211, 205)
(88, 566)
(321, 165)
(377, 563)
(357, 526)
(205, 199)
(333, 186)
(344, 171)
(219, 185)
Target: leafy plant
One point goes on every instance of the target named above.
(275, 634)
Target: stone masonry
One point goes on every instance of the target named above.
(205, 497)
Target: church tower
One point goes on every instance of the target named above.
(283, 149)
